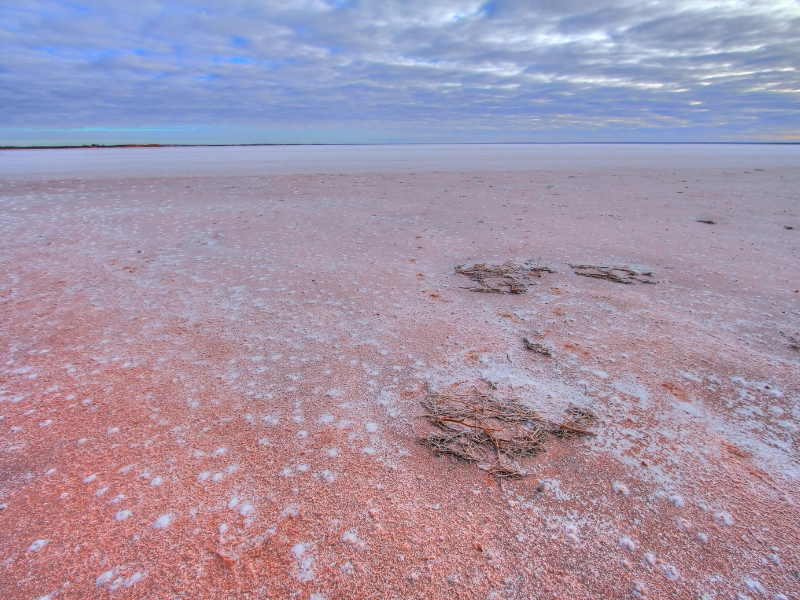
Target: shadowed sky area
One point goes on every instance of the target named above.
(412, 71)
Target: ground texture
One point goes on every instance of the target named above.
(213, 386)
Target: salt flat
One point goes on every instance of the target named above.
(213, 363)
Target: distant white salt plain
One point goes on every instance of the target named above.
(99, 163)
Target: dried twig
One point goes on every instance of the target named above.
(536, 346)
(794, 342)
(624, 275)
(707, 221)
(480, 427)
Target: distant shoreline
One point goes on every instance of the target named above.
(106, 146)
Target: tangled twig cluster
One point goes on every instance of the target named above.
(494, 432)
(507, 278)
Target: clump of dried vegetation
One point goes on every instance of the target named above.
(495, 432)
(625, 275)
(707, 221)
(507, 278)
(794, 340)
(535, 346)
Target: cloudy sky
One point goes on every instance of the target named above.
(248, 71)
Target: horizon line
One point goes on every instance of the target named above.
(650, 143)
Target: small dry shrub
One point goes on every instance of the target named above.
(507, 278)
(493, 431)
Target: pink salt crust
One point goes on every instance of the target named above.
(211, 384)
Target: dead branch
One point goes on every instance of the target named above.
(485, 428)
(624, 275)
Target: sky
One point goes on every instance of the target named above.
(384, 71)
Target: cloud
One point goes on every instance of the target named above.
(415, 69)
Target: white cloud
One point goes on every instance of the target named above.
(412, 66)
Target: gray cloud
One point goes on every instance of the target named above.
(416, 70)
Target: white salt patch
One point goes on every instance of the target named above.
(627, 543)
(702, 538)
(163, 521)
(350, 538)
(327, 476)
(133, 579)
(326, 419)
(371, 427)
(81, 441)
(302, 434)
(304, 563)
(245, 509)
(263, 442)
(649, 558)
(116, 584)
(101, 491)
(90, 478)
(217, 477)
(122, 515)
(332, 453)
(113, 430)
(369, 451)
(333, 393)
(620, 488)
(755, 587)
(676, 500)
(156, 481)
(287, 472)
(233, 502)
(302, 468)
(38, 545)
(724, 518)
(45, 423)
(204, 475)
(50, 472)
(219, 452)
(104, 578)
(223, 528)
(671, 572)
